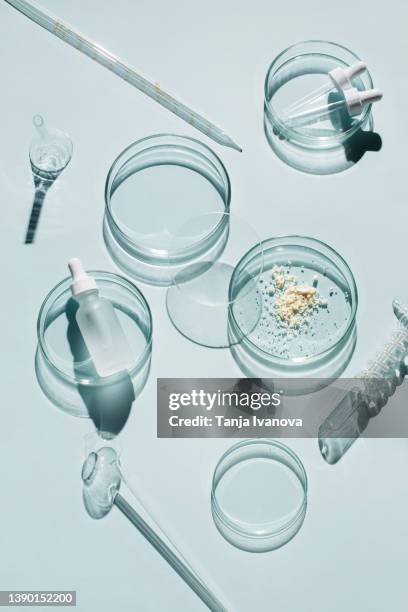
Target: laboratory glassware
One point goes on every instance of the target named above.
(199, 300)
(300, 358)
(64, 368)
(371, 390)
(153, 187)
(104, 57)
(50, 152)
(339, 79)
(323, 148)
(102, 478)
(259, 495)
(100, 328)
(352, 101)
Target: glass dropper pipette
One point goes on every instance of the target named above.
(339, 79)
(110, 61)
(352, 100)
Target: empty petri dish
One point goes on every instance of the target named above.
(64, 368)
(153, 187)
(259, 495)
(309, 303)
(199, 298)
(334, 143)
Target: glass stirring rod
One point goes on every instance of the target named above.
(107, 59)
(101, 479)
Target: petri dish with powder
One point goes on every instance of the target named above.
(304, 311)
(309, 303)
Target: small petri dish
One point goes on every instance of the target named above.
(307, 332)
(154, 187)
(199, 298)
(259, 495)
(332, 145)
(64, 368)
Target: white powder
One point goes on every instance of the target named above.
(293, 302)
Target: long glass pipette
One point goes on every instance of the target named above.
(107, 59)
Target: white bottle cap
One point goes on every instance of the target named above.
(81, 281)
(356, 100)
(342, 77)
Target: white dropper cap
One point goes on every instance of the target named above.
(356, 100)
(342, 77)
(81, 281)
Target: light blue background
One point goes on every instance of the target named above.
(351, 553)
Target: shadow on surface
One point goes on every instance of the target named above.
(362, 141)
(41, 187)
(109, 400)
